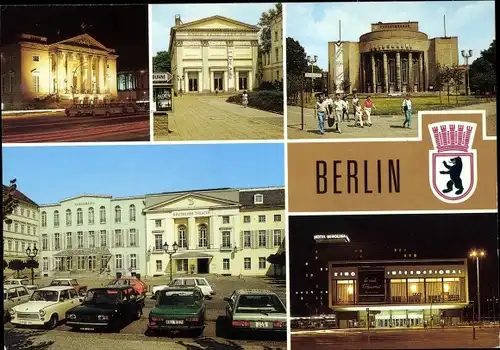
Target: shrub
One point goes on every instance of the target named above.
(270, 101)
(17, 265)
(31, 264)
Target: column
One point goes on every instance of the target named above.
(250, 80)
(186, 81)
(398, 71)
(60, 70)
(226, 80)
(374, 78)
(105, 73)
(362, 85)
(192, 239)
(212, 87)
(420, 72)
(386, 72)
(66, 76)
(213, 236)
(425, 71)
(200, 81)
(237, 80)
(410, 72)
(98, 74)
(51, 75)
(82, 75)
(89, 74)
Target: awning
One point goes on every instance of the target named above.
(84, 251)
(192, 255)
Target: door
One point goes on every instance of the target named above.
(203, 266)
(243, 83)
(193, 84)
(12, 298)
(203, 285)
(22, 295)
(218, 84)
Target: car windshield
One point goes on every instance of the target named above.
(260, 303)
(171, 298)
(59, 283)
(102, 296)
(201, 282)
(45, 295)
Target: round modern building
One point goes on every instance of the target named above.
(391, 58)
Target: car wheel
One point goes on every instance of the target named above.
(52, 322)
(138, 314)
(197, 333)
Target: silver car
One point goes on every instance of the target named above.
(255, 310)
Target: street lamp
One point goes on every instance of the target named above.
(170, 253)
(476, 254)
(466, 54)
(31, 255)
(312, 61)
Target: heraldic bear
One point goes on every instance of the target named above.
(454, 170)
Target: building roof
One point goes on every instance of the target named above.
(207, 19)
(19, 196)
(272, 198)
(190, 191)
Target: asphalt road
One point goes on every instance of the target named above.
(57, 127)
(133, 335)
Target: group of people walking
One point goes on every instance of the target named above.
(336, 111)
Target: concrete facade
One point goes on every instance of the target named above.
(272, 61)
(393, 57)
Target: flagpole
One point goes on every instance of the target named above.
(340, 30)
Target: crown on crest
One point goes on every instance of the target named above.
(452, 137)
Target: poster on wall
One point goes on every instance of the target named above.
(163, 98)
(371, 286)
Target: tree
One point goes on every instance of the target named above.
(265, 23)
(161, 62)
(17, 265)
(31, 264)
(278, 259)
(447, 76)
(296, 66)
(482, 72)
(9, 202)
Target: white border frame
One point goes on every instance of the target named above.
(150, 81)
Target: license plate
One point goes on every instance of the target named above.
(262, 324)
(26, 322)
(174, 322)
(87, 329)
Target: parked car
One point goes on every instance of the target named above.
(21, 282)
(177, 309)
(47, 307)
(140, 286)
(12, 296)
(78, 110)
(70, 282)
(200, 282)
(106, 308)
(255, 310)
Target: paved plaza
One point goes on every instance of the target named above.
(207, 117)
(383, 126)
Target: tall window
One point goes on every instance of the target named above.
(182, 240)
(102, 215)
(131, 213)
(80, 262)
(132, 234)
(9, 245)
(247, 263)
(345, 291)
(12, 80)
(104, 239)
(416, 290)
(277, 218)
(404, 71)
(226, 239)
(79, 216)
(434, 290)
(158, 241)
(36, 82)
(262, 218)
(225, 264)
(57, 241)
(262, 263)
(262, 238)
(247, 239)
(45, 242)
(56, 218)
(392, 71)
(246, 219)
(202, 236)
(69, 240)
(277, 238)
(118, 261)
(118, 238)
(159, 266)
(91, 216)
(118, 214)
(44, 219)
(133, 261)
(277, 54)
(91, 239)
(68, 217)
(45, 264)
(80, 239)
(398, 291)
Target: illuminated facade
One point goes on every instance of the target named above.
(272, 61)
(214, 53)
(133, 85)
(393, 57)
(78, 69)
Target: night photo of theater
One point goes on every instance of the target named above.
(387, 271)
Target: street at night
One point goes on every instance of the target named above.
(57, 127)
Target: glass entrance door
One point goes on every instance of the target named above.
(193, 84)
(218, 84)
(243, 83)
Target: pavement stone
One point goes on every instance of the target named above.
(202, 118)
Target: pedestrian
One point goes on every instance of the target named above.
(358, 114)
(320, 111)
(338, 108)
(368, 106)
(355, 101)
(244, 99)
(330, 117)
(345, 108)
(407, 111)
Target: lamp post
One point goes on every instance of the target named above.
(312, 61)
(170, 253)
(31, 255)
(466, 54)
(476, 254)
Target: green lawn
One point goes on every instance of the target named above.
(392, 105)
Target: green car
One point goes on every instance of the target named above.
(178, 309)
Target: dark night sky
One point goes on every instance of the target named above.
(123, 28)
(430, 236)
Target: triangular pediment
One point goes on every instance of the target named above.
(217, 22)
(83, 40)
(85, 198)
(191, 201)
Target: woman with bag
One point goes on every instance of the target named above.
(407, 111)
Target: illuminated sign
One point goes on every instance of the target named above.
(331, 238)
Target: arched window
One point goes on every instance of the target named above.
(131, 213)
(182, 240)
(91, 216)
(68, 217)
(79, 216)
(202, 236)
(102, 215)
(44, 219)
(56, 218)
(118, 214)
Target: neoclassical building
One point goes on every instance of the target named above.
(93, 234)
(224, 231)
(23, 231)
(214, 53)
(133, 85)
(272, 61)
(392, 57)
(79, 69)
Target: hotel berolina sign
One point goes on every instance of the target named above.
(451, 165)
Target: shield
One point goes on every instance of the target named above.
(458, 182)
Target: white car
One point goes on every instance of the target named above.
(47, 307)
(200, 282)
(12, 296)
(21, 282)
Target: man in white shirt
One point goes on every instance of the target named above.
(358, 114)
(320, 111)
(338, 107)
(345, 108)
(355, 100)
(407, 111)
